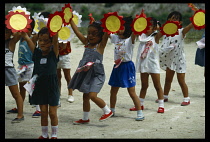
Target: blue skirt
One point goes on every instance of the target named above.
(200, 57)
(124, 76)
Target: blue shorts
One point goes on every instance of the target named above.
(124, 76)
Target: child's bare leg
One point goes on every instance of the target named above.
(168, 80)
(144, 84)
(113, 96)
(59, 79)
(98, 101)
(53, 115)
(157, 85)
(19, 101)
(183, 85)
(44, 115)
(134, 97)
(86, 102)
(22, 90)
(68, 79)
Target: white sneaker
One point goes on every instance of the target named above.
(70, 99)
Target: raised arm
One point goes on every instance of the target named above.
(14, 40)
(55, 44)
(78, 33)
(29, 41)
(187, 29)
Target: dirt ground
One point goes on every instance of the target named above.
(187, 122)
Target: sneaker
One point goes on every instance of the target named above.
(54, 138)
(141, 118)
(70, 99)
(41, 137)
(134, 108)
(14, 110)
(17, 120)
(165, 100)
(160, 110)
(80, 121)
(185, 103)
(36, 114)
(106, 116)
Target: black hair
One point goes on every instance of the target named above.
(45, 14)
(32, 24)
(128, 21)
(45, 30)
(177, 15)
(97, 25)
(154, 24)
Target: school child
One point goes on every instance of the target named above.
(90, 76)
(25, 67)
(46, 90)
(10, 72)
(64, 63)
(147, 63)
(174, 60)
(123, 74)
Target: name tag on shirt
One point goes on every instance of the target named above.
(43, 61)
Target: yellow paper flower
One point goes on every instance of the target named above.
(77, 18)
(65, 34)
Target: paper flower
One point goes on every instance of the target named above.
(20, 9)
(198, 19)
(65, 34)
(170, 28)
(77, 18)
(112, 23)
(67, 10)
(55, 22)
(140, 24)
(18, 21)
(91, 18)
(40, 22)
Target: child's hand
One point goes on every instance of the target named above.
(24, 34)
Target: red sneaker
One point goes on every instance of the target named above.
(106, 116)
(54, 138)
(160, 110)
(41, 137)
(81, 122)
(134, 108)
(185, 103)
(165, 100)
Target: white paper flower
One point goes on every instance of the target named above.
(20, 9)
(77, 18)
(65, 34)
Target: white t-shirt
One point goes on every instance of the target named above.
(123, 48)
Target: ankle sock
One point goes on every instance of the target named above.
(85, 115)
(38, 108)
(45, 131)
(54, 131)
(165, 96)
(161, 103)
(112, 109)
(106, 110)
(186, 99)
(141, 101)
(139, 113)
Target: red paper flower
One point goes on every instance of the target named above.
(18, 21)
(198, 19)
(112, 23)
(170, 28)
(141, 23)
(91, 18)
(55, 22)
(67, 10)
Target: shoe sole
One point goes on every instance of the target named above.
(36, 116)
(139, 119)
(70, 101)
(75, 123)
(106, 118)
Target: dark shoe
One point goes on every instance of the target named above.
(17, 120)
(14, 110)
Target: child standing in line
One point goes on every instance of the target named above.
(64, 63)
(10, 72)
(174, 60)
(123, 74)
(147, 63)
(46, 91)
(90, 76)
(25, 67)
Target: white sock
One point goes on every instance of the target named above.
(54, 131)
(161, 103)
(112, 109)
(38, 108)
(186, 99)
(85, 115)
(142, 101)
(165, 96)
(139, 113)
(106, 110)
(45, 131)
